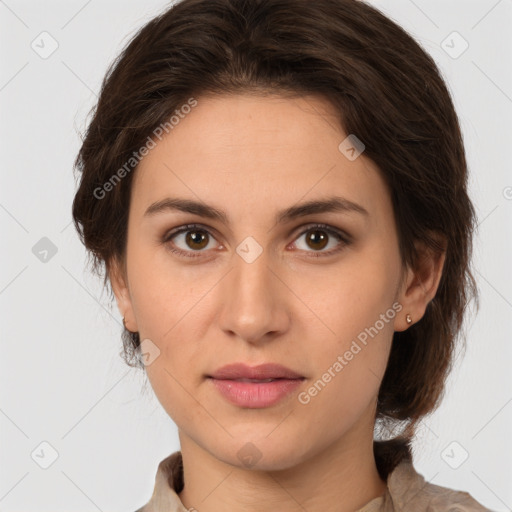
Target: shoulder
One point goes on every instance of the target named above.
(408, 490)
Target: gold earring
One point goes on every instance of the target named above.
(408, 318)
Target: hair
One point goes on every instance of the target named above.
(387, 91)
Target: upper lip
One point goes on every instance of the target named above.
(262, 371)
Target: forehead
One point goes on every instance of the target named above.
(248, 151)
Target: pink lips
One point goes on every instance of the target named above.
(255, 387)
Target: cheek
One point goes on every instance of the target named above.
(350, 361)
(172, 305)
(359, 309)
(162, 290)
(353, 295)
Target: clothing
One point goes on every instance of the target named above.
(407, 491)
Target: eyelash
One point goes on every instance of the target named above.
(344, 238)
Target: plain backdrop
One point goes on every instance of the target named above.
(67, 400)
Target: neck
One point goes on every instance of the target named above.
(343, 477)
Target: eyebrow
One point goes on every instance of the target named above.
(331, 204)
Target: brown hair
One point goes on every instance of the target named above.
(387, 90)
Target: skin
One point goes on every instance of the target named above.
(253, 156)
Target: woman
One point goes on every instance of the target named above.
(277, 191)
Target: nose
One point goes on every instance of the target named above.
(254, 301)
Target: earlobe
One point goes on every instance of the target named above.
(420, 285)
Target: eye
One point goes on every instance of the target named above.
(320, 236)
(192, 238)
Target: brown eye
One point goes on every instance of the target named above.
(196, 239)
(191, 241)
(317, 239)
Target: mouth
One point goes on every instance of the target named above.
(255, 387)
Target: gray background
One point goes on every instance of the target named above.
(61, 378)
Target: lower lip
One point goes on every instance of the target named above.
(256, 394)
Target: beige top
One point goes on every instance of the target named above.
(406, 491)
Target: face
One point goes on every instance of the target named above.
(316, 290)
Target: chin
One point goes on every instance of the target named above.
(262, 455)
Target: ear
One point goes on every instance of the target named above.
(118, 279)
(420, 283)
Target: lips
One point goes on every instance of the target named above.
(262, 373)
(255, 387)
